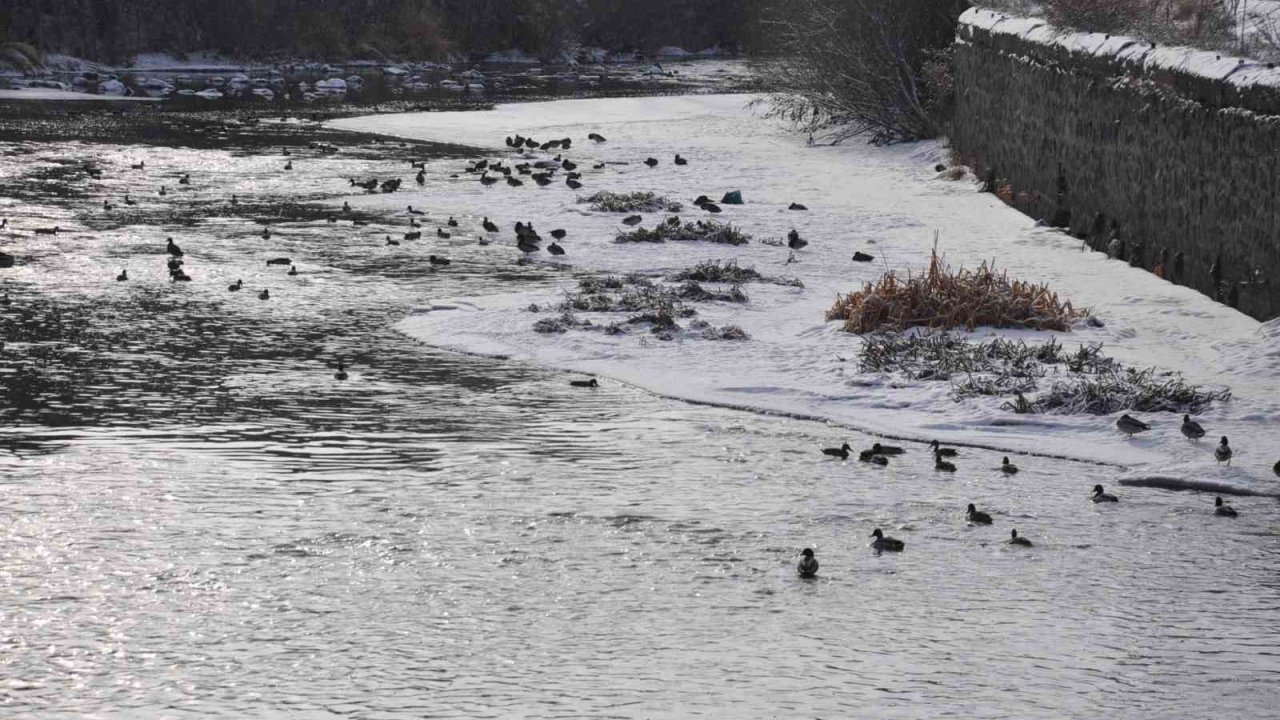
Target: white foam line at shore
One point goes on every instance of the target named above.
(884, 201)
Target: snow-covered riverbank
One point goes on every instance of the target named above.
(887, 202)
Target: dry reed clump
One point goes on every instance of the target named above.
(942, 298)
(648, 202)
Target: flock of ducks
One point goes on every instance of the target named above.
(879, 454)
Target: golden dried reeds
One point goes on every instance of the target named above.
(942, 298)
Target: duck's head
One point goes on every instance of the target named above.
(1217, 502)
(1014, 533)
(1097, 489)
(875, 447)
(807, 552)
(1186, 418)
(933, 444)
(972, 508)
(845, 447)
(877, 533)
(1224, 441)
(1004, 460)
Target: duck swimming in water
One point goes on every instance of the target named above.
(632, 220)
(808, 566)
(1019, 541)
(1191, 429)
(794, 241)
(124, 275)
(1223, 451)
(1223, 509)
(943, 465)
(585, 383)
(841, 452)
(1100, 497)
(651, 162)
(341, 374)
(879, 449)
(976, 516)
(868, 456)
(264, 295)
(1276, 469)
(235, 286)
(680, 161)
(884, 543)
(172, 248)
(1007, 467)
(1129, 425)
(489, 225)
(293, 270)
(941, 451)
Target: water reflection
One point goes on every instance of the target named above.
(199, 519)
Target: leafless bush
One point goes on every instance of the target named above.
(853, 67)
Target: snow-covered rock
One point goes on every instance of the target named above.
(264, 94)
(672, 51)
(209, 94)
(394, 71)
(112, 87)
(331, 86)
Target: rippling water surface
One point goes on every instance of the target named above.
(197, 520)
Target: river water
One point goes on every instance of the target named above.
(198, 520)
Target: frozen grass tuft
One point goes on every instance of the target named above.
(1083, 381)
(698, 231)
(632, 202)
(941, 298)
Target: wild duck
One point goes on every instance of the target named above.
(573, 184)
(796, 206)
(651, 162)
(341, 374)
(172, 248)
(976, 516)
(486, 180)
(868, 456)
(106, 205)
(555, 249)
(860, 256)
(1223, 509)
(415, 235)
(235, 286)
(1007, 467)
(841, 452)
(415, 212)
(48, 231)
(1014, 539)
(1102, 497)
(451, 222)
(680, 161)
(942, 465)
(884, 543)
(489, 226)
(1130, 425)
(293, 271)
(280, 261)
(128, 200)
(1223, 452)
(794, 241)
(124, 275)
(421, 177)
(558, 234)
(185, 179)
(879, 449)
(440, 233)
(438, 261)
(288, 165)
(632, 220)
(514, 182)
(808, 566)
(1191, 429)
(264, 295)
(392, 242)
(585, 383)
(596, 137)
(942, 451)
(163, 191)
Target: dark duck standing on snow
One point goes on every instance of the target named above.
(808, 566)
(1223, 452)
(1129, 425)
(1191, 428)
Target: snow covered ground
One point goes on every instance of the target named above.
(884, 201)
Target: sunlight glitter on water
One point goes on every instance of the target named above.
(201, 521)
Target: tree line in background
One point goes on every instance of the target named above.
(115, 30)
